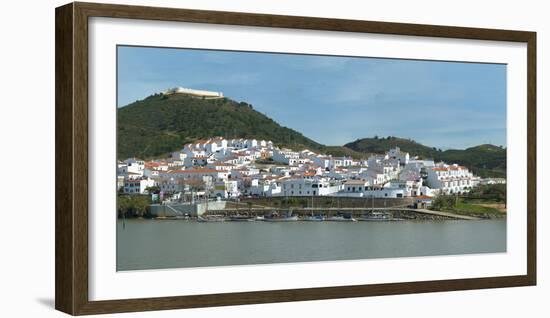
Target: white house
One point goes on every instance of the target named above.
(335, 162)
(151, 173)
(226, 189)
(322, 161)
(237, 143)
(286, 156)
(137, 186)
(132, 165)
(376, 191)
(492, 181)
(298, 186)
(179, 155)
(199, 160)
(222, 166)
(267, 187)
(197, 174)
(396, 153)
(250, 143)
(451, 179)
(355, 186)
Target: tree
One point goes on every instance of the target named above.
(443, 202)
(153, 189)
(133, 205)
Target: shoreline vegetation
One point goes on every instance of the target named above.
(484, 201)
(133, 206)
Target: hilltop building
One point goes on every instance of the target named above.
(193, 93)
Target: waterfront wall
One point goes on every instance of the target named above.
(330, 202)
(179, 209)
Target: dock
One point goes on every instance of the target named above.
(400, 212)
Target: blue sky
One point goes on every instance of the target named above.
(335, 100)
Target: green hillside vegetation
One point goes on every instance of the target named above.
(341, 151)
(160, 124)
(381, 145)
(484, 160)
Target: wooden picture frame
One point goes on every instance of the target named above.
(71, 90)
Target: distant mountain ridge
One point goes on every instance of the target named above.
(485, 160)
(160, 124)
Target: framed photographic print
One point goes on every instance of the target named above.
(210, 158)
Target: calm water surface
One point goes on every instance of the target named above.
(155, 244)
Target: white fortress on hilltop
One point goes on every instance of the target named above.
(193, 92)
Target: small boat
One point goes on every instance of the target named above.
(275, 217)
(241, 218)
(314, 218)
(340, 218)
(282, 219)
(376, 216)
(211, 218)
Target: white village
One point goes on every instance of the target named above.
(208, 173)
(228, 169)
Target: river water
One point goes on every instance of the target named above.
(156, 244)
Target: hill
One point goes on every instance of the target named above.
(381, 145)
(161, 123)
(484, 160)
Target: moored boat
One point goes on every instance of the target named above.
(241, 218)
(211, 218)
(313, 218)
(282, 219)
(275, 217)
(340, 218)
(376, 216)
